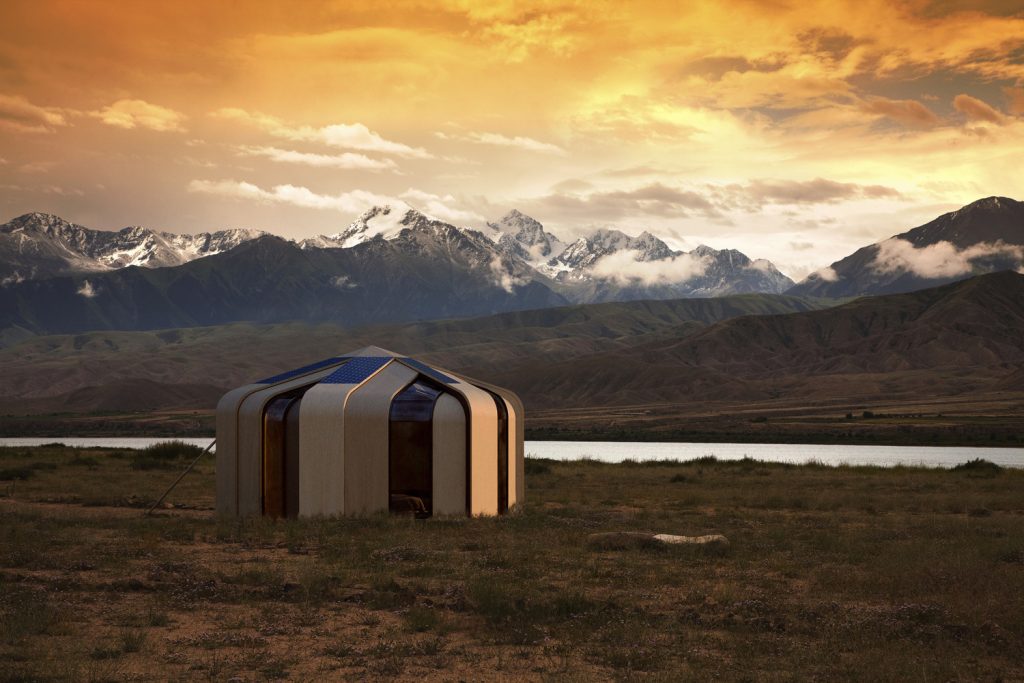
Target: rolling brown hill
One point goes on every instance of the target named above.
(963, 337)
(663, 362)
(191, 368)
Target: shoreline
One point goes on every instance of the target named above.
(541, 462)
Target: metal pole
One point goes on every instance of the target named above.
(180, 477)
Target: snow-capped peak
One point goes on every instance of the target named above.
(525, 237)
(385, 222)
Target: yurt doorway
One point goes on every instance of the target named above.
(280, 466)
(410, 449)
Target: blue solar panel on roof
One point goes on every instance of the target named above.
(319, 365)
(356, 370)
(428, 371)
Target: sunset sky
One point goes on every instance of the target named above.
(794, 131)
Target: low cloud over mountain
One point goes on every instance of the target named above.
(982, 237)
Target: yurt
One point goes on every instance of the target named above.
(367, 432)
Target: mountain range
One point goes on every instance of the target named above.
(390, 265)
(38, 246)
(396, 264)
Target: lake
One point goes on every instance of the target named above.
(884, 456)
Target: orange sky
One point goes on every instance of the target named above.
(794, 131)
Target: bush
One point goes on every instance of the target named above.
(164, 455)
(978, 466)
(170, 450)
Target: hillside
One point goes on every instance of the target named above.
(984, 236)
(191, 367)
(954, 339)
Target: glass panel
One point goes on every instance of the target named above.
(280, 466)
(410, 449)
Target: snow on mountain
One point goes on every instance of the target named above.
(515, 251)
(386, 222)
(39, 245)
(525, 237)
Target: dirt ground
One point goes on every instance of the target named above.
(831, 574)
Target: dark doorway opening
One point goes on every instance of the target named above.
(411, 449)
(280, 467)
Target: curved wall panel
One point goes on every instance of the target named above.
(322, 442)
(366, 440)
(449, 427)
(227, 458)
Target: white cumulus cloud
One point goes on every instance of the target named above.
(503, 278)
(354, 201)
(347, 160)
(828, 274)
(343, 135)
(440, 207)
(499, 140)
(942, 259)
(623, 266)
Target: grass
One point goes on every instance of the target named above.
(848, 573)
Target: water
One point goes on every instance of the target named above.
(885, 456)
(832, 454)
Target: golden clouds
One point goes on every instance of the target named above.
(321, 106)
(130, 114)
(976, 110)
(19, 115)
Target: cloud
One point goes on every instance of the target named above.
(801, 246)
(828, 274)
(503, 278)
(942, 259)
(762, 265)
(87, 290)
(20, 115)
(653, 199)
(439, 207)
(499, 140)
(344, 135)
(130, 114)
(347, 160)
(910, 112)
(976, 110)
(1015, 100)
(355, 201)
(816, 191)
(623, 267)
(519, 40)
